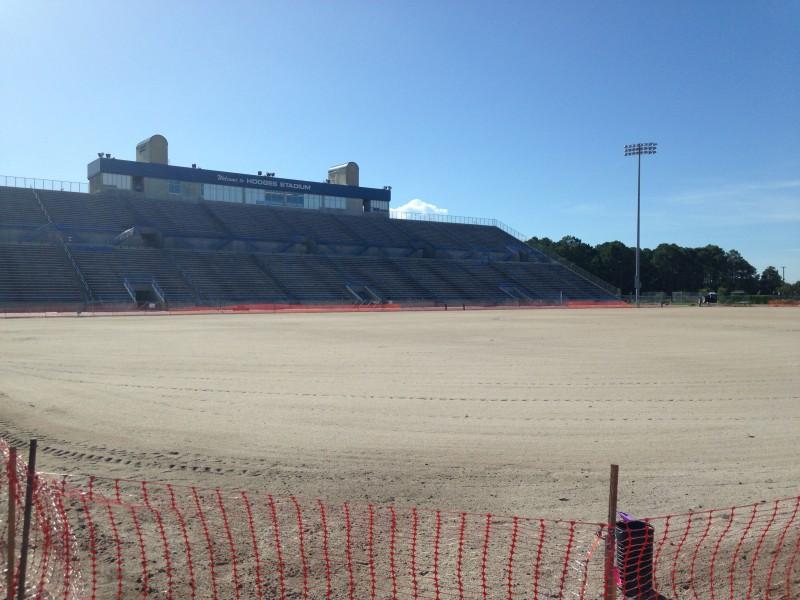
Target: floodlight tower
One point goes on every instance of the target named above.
(637, 150)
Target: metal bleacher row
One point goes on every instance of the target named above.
(108, 213)
(64, 247)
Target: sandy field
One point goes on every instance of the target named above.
(504, 411)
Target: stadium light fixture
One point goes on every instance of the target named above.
(637, 150)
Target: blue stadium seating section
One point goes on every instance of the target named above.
(30, 273)
(63, 247)
(18, 207)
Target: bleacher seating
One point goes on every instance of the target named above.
(384, 277)
(307, 277)
(85, 212)
(221, 277)
(280, 255)
(105, 270)
(377, 231)
(318, 226)
(251, 222)
(176, 218)
(18, 206)
(37, 273)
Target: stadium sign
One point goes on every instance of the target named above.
(269, 182)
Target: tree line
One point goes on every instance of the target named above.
(669, 267)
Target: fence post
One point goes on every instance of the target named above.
(610, 591)
(26, 522)
(12, 517)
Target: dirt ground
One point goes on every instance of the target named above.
(504, 411)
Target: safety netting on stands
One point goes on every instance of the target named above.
(106, 538)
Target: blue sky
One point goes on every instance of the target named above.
(512, 110)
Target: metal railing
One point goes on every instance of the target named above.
(413, 216)
(37, 183)
(130, 284)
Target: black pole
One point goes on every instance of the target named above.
(11, 552)
(610, 587)
(26, 522)
(637, 283)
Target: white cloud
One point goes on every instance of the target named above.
(419, 206)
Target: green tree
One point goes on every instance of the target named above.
(790, 289)
(714, 263)
(615, 263)
(741, 275)
(544, 243)
(770, 281)
(668, 267)
(576, 251)
(673, 266)
(648, 272)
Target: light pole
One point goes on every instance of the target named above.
(637, 150)
(783, 277)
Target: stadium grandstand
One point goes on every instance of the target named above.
(149, 234)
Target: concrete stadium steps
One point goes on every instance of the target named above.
(87, 212)
(18, 206)
(177, 218)
(551, 281)
(469, 287)
(420, 269)
(493, 279)
(433, 234)
(377, 231)
(33, 273)
(535, 279)
(222, 277)
(322, 227)
(526, 279)
(105, 270)
(577, 287)
(458, 236)
(251, 222)
(309, 277)
(383, 276)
